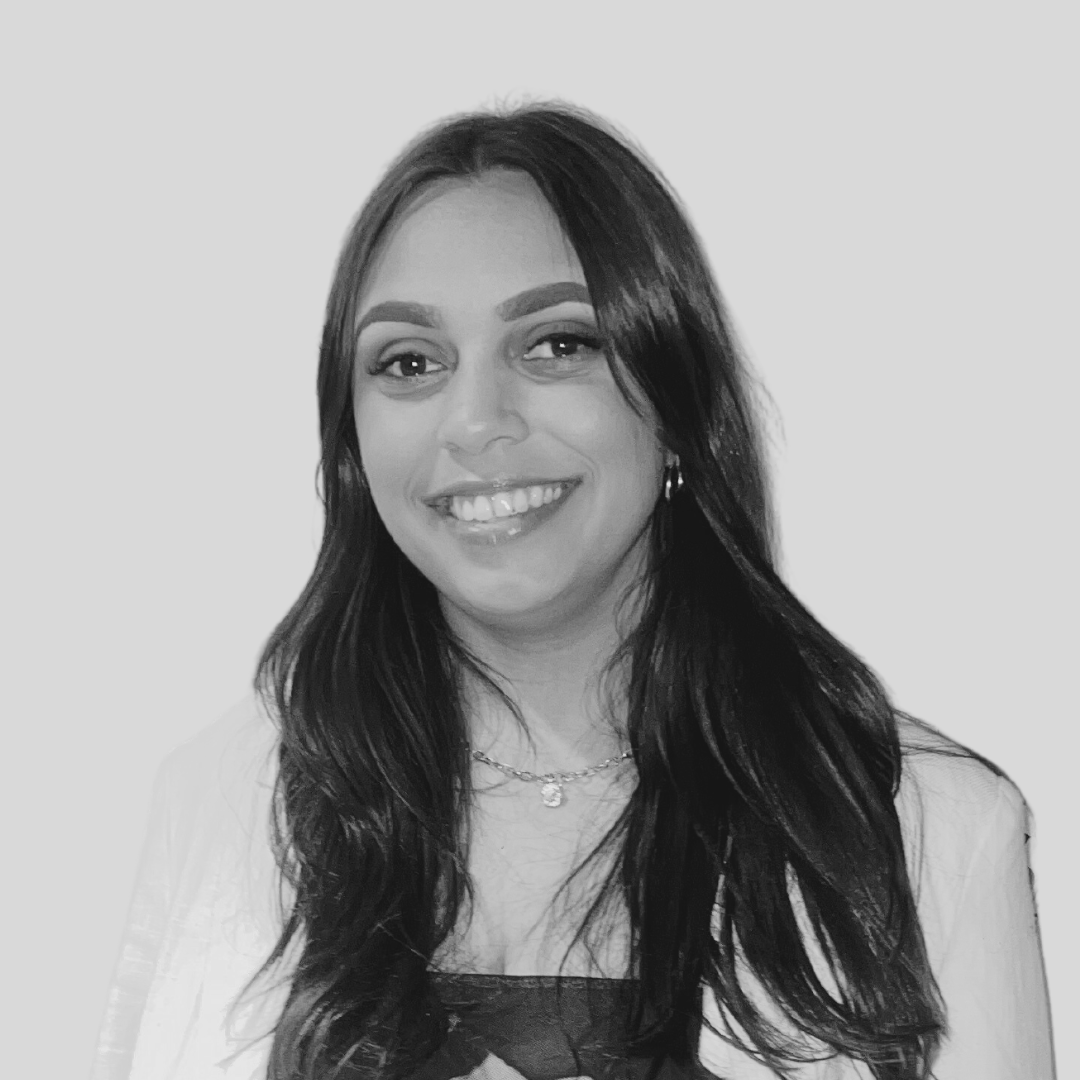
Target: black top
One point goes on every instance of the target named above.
(546, 1028)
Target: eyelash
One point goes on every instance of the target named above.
(592, 344)
(585, 341)
(382, 366)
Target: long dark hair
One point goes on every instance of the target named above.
(767, 752)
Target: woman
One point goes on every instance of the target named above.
(567, 781)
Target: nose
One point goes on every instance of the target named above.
(481, 407)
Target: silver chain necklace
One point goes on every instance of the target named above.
(551, 790)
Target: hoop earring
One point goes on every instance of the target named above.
(673, 479)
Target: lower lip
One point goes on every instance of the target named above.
(497, 531)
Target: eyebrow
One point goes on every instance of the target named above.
(543, 296)
(399, 311)
(517, 307)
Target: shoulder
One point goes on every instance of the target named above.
(215, 790)
(236, 747)
(965, 826)
(950, 787)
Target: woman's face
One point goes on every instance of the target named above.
(501, 456)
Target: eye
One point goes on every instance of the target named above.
(564, 345)
(409, 365)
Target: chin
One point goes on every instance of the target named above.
(507, 602)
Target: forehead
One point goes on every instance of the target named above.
(472, 243)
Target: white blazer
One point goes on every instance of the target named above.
(206, 913)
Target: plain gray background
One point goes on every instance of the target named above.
(888, 193)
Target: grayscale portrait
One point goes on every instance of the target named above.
(555, 550)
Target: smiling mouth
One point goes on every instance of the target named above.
(503, 503)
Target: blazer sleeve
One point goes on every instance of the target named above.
(143, 937)
(203, 919)
(990, 968)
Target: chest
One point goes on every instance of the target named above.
(532, 885)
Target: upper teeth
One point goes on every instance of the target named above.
(503, 503)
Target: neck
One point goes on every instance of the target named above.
(553, 672)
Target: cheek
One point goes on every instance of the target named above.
(624, 445)
(388, 450)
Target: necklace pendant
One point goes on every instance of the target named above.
(552, 793)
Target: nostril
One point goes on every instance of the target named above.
(475, 424)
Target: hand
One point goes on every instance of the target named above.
(494, 1068)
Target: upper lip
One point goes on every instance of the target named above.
(489, 487)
